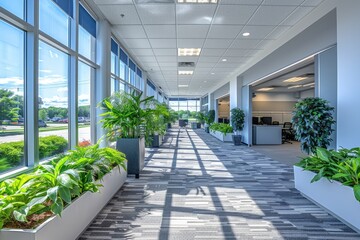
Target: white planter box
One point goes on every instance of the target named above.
(336, 198)
(75, 217)
(222, 137)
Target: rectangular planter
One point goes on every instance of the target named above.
(337, 199)
(222, 137)
(134, 149)
(76, 217)
(157, 141)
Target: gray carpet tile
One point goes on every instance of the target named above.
(196, 187)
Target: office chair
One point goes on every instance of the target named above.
(275, 123)
(287, 133)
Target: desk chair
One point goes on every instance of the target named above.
(275, 123)
(287, 133)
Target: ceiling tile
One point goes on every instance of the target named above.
(163, 43)
(298, 14)
(192, 31)
(160, 31)
(234, 14)
(168, 64)
(165, 51)
(237, 53)
(165, 68)
(188, 59)
(224, 31)
(282, 2)
(113, 12)
(130, 31)
(212, 52)
(142, 51)
(217, 43)
(312, 3)
(245, 43)
(166, 59)
(195, 14)
(206, 64)
(264, 43)
(148, 59)
(271, 15)
(137, 43)
(209, 59)
(156, 13)
(190, 43)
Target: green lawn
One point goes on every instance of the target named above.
(20, 131)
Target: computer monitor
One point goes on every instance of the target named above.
(255, 120)
(266, 120)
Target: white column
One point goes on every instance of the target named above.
(102, 82)
(348, 52)
(235, 93)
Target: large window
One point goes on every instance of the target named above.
(86, 74)
(123, 66)
(87, 34)
(54, 21)
(14, 6)
(150, 89)
(53, 91)
(11, 97)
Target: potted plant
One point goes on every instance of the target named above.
(222, 131)
(155, 124)
(171, 118)
(209, 119)
(124, 118)
(200, 119)
(312, 121)
(237, 122)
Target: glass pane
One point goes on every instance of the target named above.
(53, 98)
(86, 74)
(122, 86)
(132, 77)
(14, 6)
(113, 63)
(123, 70)
(11, 97)
(112, 87)
(54, 21)
(86, 44)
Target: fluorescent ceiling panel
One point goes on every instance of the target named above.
(186, 72)
(294, 79)
(197, 1)
(189, 51)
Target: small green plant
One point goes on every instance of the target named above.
(51, 186)
(221, 127)
(312, 121)
(209, 117)
(342, 165)
(237, 119)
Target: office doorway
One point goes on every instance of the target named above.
(223, 109)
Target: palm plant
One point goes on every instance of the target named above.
(125, 114)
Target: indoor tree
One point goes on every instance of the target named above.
(237, 122)
(312, 121)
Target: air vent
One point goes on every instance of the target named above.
(154, 1)
(186, 64)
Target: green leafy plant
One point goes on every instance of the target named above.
(155, 123)
(221, 127)
(209, 117)
(312, 121)
(125, 114)
(237, 119)
(53, 185)
(342, 165)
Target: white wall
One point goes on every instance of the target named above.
(277, 97)
(348, 55)
(307, 94)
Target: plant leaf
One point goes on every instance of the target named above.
(357, 192)
(65, 195)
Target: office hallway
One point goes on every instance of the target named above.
(196, 187)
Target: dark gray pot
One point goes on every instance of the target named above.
(169, 125)
(207, 129)
(194, 125)
(134, 149)
(236, 140)
(157, 140)
(198, 125)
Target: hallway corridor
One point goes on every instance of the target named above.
(196, 187)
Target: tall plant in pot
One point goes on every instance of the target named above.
(155, 123)
(312, 121)
(209, 119)
(124, 118)
(237, 122)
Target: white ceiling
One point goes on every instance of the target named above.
(152, 32)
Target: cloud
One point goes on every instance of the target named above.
(11, 81)
(62, 89)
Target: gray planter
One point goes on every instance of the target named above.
(157, 140)
(169, 125)
(194, 125)
(134, 149)
(207, 129)
(236, 140)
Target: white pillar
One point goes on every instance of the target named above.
(348, 52)
(235, 93)
(102, 83)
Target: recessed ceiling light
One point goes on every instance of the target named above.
(265, 89)
(189, 51)
(295, 86)
(186, 72)
(205, 81)
(295, 79)
(246, 34)
(197, 1)
(212, 73)
(183, 85)
(224, 60)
